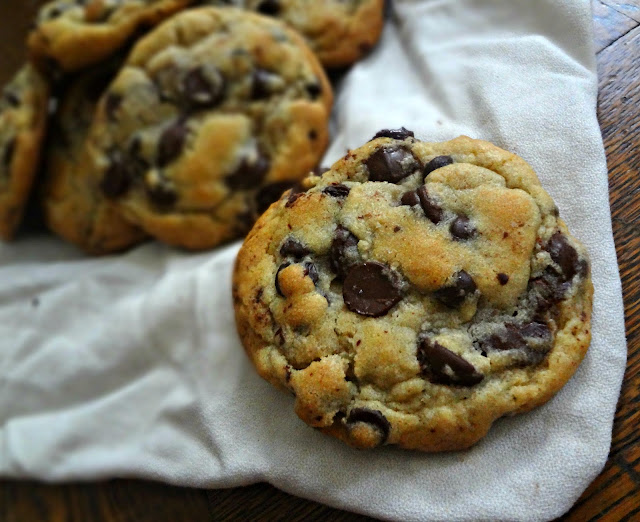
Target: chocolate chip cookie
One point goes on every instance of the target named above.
(23, 116)
(213, 115)
(71, 34)
(415, 293)
(74, 207)
(339, 31)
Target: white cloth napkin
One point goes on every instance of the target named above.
(130, 365)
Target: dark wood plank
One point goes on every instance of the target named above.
(609, 24)
(614, 495)
(113, 501)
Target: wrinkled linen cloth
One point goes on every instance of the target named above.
(130, 365)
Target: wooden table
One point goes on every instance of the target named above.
(614, 495)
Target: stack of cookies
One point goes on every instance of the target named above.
(411, 295)
(174, 119)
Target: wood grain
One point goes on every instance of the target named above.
(614, 495)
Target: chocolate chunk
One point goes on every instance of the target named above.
(162, 194)
(111, 105)
(454, 294)
(280, 269)
(370, 289)
(293, 248)
(435, 359)
(462, 229)
(270, 193)
(410, 198)
(563, 254)
(396, 134)
(248, 175)
(203, 88)
(269, 7)
(536, 330)
(337, 191)
(118, 177)
(509, 339)
(9, 149)
(313, 135)
(503, 279)
(343, 253)
(295, 193)
(171, 143)
(437, 163)
(390, 164)
(260, 84)
(314, 90)
(431, 209)
(373, 417)
(550, 289)
(12, 99)
(311, 271)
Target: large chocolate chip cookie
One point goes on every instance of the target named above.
(415, 293)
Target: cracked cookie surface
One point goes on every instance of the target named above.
(73, 204)
(72, 34)
(415, 293)
(23, 118)
(340, 32)
(213, 115)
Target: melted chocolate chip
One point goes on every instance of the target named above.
(203, 89)
(162, 194)
(269, 7)
(311, 271)
(295, 193)
(294, 248)
(260, 84)
(12, 99)
(410, 198)
(435, 359)
(111, 105)
(431, 209)
(390, 164)
(370, 289)
(249, 175)
(270, 193)
(373, 417)
(171, 143)
(509, 339)
(437, 163)
(277, 283)
(337, 191)
(118, 177)
(536, 330)
(314, 90)
(343, 253)
(396, 134)
(563, 254)
(503, 279)
(462, 229)
(7, 157)
(550, 289)
(453, 295)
